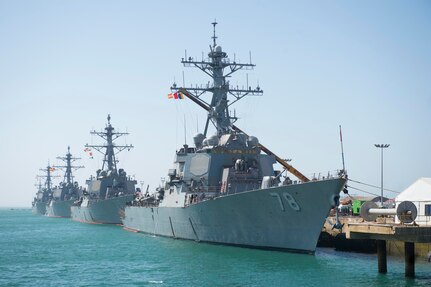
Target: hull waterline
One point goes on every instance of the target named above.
(39, 208)
(107, 211)
(285, 218)
(60, 208)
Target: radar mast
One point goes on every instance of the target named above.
(218, 66)
(48, 176)
(218, 109)
(109, 149)
(68, 159)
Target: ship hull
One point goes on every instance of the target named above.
(107, 211)
(287, 218)
(60, 208)
(39, 208)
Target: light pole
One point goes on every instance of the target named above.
(381, 146)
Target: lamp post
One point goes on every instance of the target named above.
(381, 146)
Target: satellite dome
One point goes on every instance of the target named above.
(198, 139)
(218, 49)
(212, 140)
(252, 141)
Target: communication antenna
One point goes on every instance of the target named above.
(342, 150)
(345, 190)
(247, 80)
(183, 80)
(214, 34)
(185, 130)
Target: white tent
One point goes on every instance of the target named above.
(420, 194)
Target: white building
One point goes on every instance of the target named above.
(420, 194)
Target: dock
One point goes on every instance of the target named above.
(382, 232)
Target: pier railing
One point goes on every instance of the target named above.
(326, 175)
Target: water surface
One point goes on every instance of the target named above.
(41, 251)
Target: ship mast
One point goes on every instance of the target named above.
(215, 66)
(48, 176)
(68, 159)
(218, 109)
(109, 149)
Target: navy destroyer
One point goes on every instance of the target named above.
(109, 191)
(44, 194)
(67, 192)
(225, 190)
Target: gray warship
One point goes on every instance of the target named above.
(109, 191)
(225, 190)
(43, 194)
(67, 192)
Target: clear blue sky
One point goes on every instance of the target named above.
(365, 65)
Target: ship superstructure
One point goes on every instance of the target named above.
(44, 194)
(68, 191)
(111, 188)
(224, 189)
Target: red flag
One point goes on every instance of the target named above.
(176, 96)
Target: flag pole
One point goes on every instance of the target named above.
(342, 150)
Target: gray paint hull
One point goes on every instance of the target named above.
(60, 208)
(39, 208)
(259, 219)
(107, 211)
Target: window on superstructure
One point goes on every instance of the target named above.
(427, 209)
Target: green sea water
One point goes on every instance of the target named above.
(41, 251)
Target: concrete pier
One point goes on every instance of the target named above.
(409, 234)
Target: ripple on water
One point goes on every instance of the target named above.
(40, 251)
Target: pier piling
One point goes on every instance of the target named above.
(410, 234)
(381, 256)
(409, 253)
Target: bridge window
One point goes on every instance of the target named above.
(427, 209)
